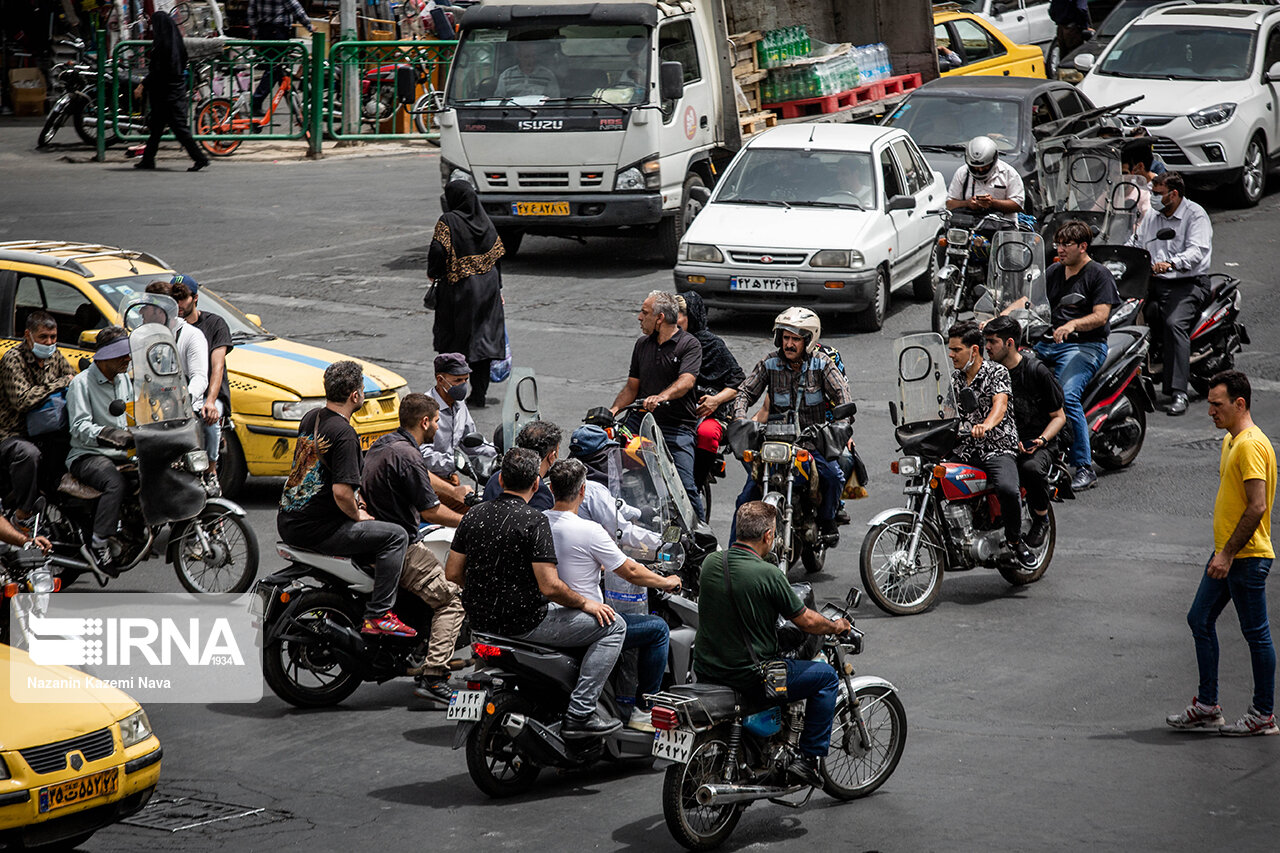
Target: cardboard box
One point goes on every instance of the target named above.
(320, 25)
(28, 90)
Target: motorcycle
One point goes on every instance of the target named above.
(726, 749)
(211, 546)
(79, 102)
(25, 570)
(780, 457)
(951, 521)
(967, 241)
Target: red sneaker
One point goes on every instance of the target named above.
(388, 623)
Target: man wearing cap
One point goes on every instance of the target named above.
(193, 349)
(217, 398)
(590, 445)
(98, 438)
(450, 393)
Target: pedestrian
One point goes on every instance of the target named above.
(463, 261)
(166, 89)
(1074, 24)
(271, 20)
(1241, 560)
(217, 399)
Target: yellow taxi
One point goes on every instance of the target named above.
(968, 44)
(274, 381)
(72, 766)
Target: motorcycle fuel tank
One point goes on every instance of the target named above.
(962, 481)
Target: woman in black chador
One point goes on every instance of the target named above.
(166, 90)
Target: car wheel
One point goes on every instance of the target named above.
(922, 285)
(672, 228)
(1051, 59)
(1253, 174)
(232, 468)
(871, 318)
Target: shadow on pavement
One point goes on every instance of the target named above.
(767, 829)
(457, 790)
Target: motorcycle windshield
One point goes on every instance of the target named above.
(1084, 176)
(159, 384)
(1016, 270)
(924, 377)
(673, 505)
(519, 405)
(634, 517)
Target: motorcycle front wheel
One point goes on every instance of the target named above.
(84, 118)
(897, 587)
(57, 118)
(495, 765)
(225, 559)
(943, 313)
(306, 672)
(695, 826)
(848, 770)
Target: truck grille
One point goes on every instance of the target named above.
(52, 757)
(534, 180)
(1170, 152)
(756, 256)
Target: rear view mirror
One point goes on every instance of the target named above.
(89, 339)
(670, 81)
(472, 440)
(854, 598)
(1273, 73)
(844, 410)
(254, 319)
(406, 83)
(893, 412)
(1072, 299)
(701, 195)
(1084, 61)
(117, 408)
(901, 202)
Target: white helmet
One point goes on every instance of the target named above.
(798, 321)
(981, 155)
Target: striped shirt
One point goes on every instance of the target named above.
(808, 389)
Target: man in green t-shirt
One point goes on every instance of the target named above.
(760, 595)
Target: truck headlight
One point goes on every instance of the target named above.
(293, 410)
(135, 728)
(831, 258)
(702, 253)
(629, 179)
(645, 175)
(1209, 116)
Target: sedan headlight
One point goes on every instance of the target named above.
(831, 258)
(701, 253)
(1209, 116)
(135, 728)
(293, 410)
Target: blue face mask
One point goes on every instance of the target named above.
(43, 351)
(1157, 202)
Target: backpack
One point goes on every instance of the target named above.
(833, 354)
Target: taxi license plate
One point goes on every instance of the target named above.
(78, 790)
(466, 705)
(366, 441)
(540, 208)
(763, 285)
(673, 745)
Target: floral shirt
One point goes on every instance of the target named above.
(991, 379)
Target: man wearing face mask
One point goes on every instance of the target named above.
(450, 392)
(1178, 284)
(33, 380)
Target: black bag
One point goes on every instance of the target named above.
(49, 416)
(429, 298)
(773, 673)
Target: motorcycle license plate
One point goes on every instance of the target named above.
(540, 208)
(763, 285)
(673, 745)
(466, 705)
(77, 790)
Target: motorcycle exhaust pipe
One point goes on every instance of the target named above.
(719, 795)
(537, 741)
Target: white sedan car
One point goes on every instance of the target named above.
(832, 217)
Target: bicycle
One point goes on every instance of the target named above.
(223, 115)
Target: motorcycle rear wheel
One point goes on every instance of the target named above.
(695, 826)
(80, 117)
(497, 768)
(284, 661)
(850, 774)
(813, 558)
(897, 589)
(943, 312)
(1018, 574)
(230, 564)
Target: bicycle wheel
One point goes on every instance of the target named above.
(214, 116)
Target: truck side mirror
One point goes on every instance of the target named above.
(670, 81)
(89, 339)
(406, 83)
(1273, 73)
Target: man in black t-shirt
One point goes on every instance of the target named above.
(1038, 415)
(665, 364)
(319, 510)
(1082, 293)
(504, 558)
(217, 401)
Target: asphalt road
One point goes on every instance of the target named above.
(1036, 714)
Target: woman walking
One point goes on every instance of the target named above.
(166, 90)
(463, 261)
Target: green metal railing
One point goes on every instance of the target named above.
(401, 85)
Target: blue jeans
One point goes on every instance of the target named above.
(1246, 586)
(817, 682)
(651, 636)
(565, 627)
(1075, 365)
(830, 484)
(681, 442)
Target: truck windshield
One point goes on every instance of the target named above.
(799, 178)
(1180, 53)
(943, 123)
(538, 64)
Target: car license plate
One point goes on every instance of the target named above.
(540, 208)
(673, 745)
(466, 705)
(763, 285)
(366, 441)
(78, 790)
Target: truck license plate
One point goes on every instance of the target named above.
(466, 705)
(673, 745)
(540, 208)
(763, 285)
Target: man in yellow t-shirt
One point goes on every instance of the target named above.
(1241, 560)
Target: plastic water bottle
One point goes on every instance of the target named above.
(886, 68)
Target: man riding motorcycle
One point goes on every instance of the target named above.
(799, 377)
(985, 183)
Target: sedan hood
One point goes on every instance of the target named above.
(1160, 97)
(300, 368)
(779, 227)
(72, 711)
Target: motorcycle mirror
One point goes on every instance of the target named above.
(967, 401)
(117, 408)
(406, 84)
(472, 440)
(844, 410)
(984, 305)
(1165, 234)
(84, 363)
(854, 598)
(893, 412)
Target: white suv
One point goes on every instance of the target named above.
(1209, 75)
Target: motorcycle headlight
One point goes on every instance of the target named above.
(135, 728)
(42, 583)
(909, 466)
(957, 238)
(702, 253)
(775, 452)
(1209, 116)
(293, 410)
(197, 461)
(831, 258)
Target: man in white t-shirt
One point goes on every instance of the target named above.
(584, 551)
(192, 345)
(985, 183)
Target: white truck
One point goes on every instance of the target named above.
(607, 117)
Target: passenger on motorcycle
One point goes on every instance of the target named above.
(985, 183)
(543, 438)
(980, 392)
(728, 620)
(319, 508)
(799, 377)
(450, 393)
(34, 375)
(99, 438)
(718, 382)
(396, 487)
(583, 550)
(590, 445)
(1038, 415)
(1135, 163)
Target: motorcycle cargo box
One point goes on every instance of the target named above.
(930, 439)
(28, 89)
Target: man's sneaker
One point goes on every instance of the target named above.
(591, 726)
(389, 624)
(1198, 716)
(434, 688)
(1025, 556)
(641, 721)
(805, 769)
(842, 517)
(1038, 531)
(106, 561)
(1084, 478)
(1252, 723)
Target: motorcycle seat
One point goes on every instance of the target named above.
(72, 487)
(1117, 346)
(497, 639)
(717, 700)
(336, 565)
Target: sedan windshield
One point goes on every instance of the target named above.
(1180, 53)
(789, 178)
(1124, 12)
(117, 290)
(947, 122)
